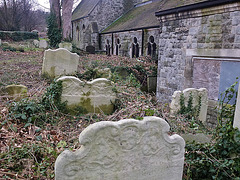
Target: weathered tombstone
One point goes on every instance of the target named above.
(59, 62)
(125, 150)
(236, 122)
(93, 97)
(16, 91)
(66, 45)
(43, 44)
(0, 42)
(196, 94)
(152, 84)
(104, 73)
(5, 44)
(36, 43)
(90, 49)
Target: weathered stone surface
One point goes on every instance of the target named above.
(5, 44)
(94, 97)
(59, 62)
(17, 91)
(196, 93)
(236, 122)
(152, 84)
(0, 42)
(66, 45)
(104, 73)
(43, 44)
(124, 150)
(36, 43)
(198, 138)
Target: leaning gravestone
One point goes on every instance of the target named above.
(90, 49)
(93, 97)
(66, 45)
(16, 91)
(124, 150)
(59, 62)
(236, 122)
(43, 44)
(196, 93)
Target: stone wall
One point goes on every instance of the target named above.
(212, 32)
(126, 40)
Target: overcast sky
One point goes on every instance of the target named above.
(44, 4)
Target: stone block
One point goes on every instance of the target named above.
(126, 150)
(198, 138)
(36, 43)
(66, 45)
(43, 44)
(96, 96)
(16, 91)
(236, 122)
(59, 62)
(196, 93)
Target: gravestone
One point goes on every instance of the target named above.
(90, 49)
(66, 45)
(125, 150)
(196, 93)
(36, 43)
(59, 62)
(16, 91)
(0, 42)
(103, 73)
(152, 84)
(43, 44)
(236, 122)
(96, 96)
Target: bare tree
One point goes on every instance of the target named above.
(67, 6)
(55, 9)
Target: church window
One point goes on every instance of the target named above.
(83, 27)
(152, 47)
(135, 48)
(118, 46)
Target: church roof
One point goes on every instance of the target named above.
(83, 9)
(137, 18)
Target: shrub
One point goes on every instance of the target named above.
(54, 33)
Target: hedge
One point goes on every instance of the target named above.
(17, 35)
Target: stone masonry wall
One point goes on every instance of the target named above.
(211, 32)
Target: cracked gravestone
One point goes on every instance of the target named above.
(59, 62)
(96, 96)
(125, 150)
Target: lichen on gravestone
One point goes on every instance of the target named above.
(96, 96)
(16, 91)
(59, 62)
(125, 150)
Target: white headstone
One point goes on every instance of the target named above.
(36, 43)
(236, 122)
(59, 62)
(124, 150)
(0, 42)
(66, 45)
(95, 97)
(43, 44)
(196, 93)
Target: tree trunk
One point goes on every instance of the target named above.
(67, 6)
(55, 8)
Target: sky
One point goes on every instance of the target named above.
(44, 4)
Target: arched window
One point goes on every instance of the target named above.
(78, 33)
(83, 27)
(135, 48)
(152, 47)
(118, 46)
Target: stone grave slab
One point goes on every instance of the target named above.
(236, 122)
(96, 96)
(196, 93)
(59, 62)
(36, 43)
(16, 91)
(125, 150)
(43, 44)
(66, 45)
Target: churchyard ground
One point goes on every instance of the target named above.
(33, 136)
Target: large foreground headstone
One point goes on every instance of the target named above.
(196, 93)
(236, 122)
(93, 97)
(124, 150)
(59, 62)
